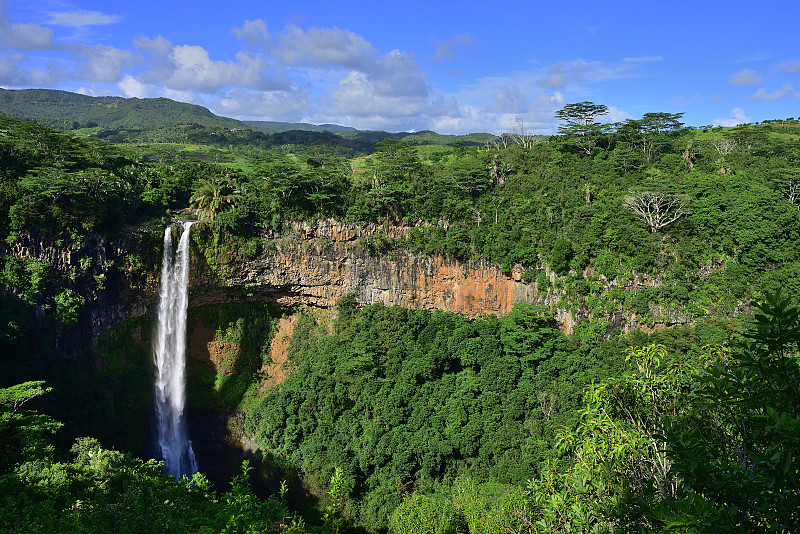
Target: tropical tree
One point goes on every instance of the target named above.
(397, 168)
(650, 132)
(679, 444)
(214, 196)
(737, 448)
(618, 470)
(23, 433)
(656, 208)
(581, 126)
(97, 490)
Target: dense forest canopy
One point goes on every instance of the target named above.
(418, 421)
(703, 210)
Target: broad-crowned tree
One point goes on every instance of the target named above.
(650, 132)
(581, 125)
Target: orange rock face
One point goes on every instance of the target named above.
(318, 264)
(321, 271)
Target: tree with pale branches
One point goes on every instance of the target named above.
(656, 208)
(523, 138)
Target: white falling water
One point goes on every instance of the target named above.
(170, 357)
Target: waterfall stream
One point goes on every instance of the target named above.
(170, 357)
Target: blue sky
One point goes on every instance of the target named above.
(451, 67)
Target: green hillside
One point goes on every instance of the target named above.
(120, 120)
(424, 137)
(64, 110)
(277, 127)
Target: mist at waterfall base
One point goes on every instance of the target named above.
(169, 350)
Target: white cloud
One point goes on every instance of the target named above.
(81, 18)
(539, 113)
(468, 119)
(792, 66)
(324, 48)
(745, 77)
(26, 36)
(189, 97)
(190, 68)
(737, 117)
(193, 69)
(787, 92)
(318, 74)
(14, 76)
(397, 74)
(509, 100)
(537, 120)
(157, 47)
(102, 63)
(23, 36)
(93, 90)
(286, 106)
(536, 112)
(131, 87)
(253, 31)
(564, 73)
(357, 100)
(333, 58)
(449, 50)
(555, 79)
(510, 96)
(356, 96)
(258, 74)
(615, 115)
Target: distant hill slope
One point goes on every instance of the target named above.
(424, 137)
(65, 110)
(69, 111)
(278, 127)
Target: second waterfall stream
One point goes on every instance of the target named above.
(170, 357)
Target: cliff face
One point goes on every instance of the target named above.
(318, 265)
(306, 265)
(116, 280)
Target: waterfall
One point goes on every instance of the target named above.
(170, 357)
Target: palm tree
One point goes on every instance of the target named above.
(213, 196)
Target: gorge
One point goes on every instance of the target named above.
(421, 328)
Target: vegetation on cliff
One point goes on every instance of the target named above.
(440, 424)
(706, 214)
(698, 211)
(697, 442)
(405, 401)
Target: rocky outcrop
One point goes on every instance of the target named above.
(305, 265)
(318, 272)
(317, 264)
